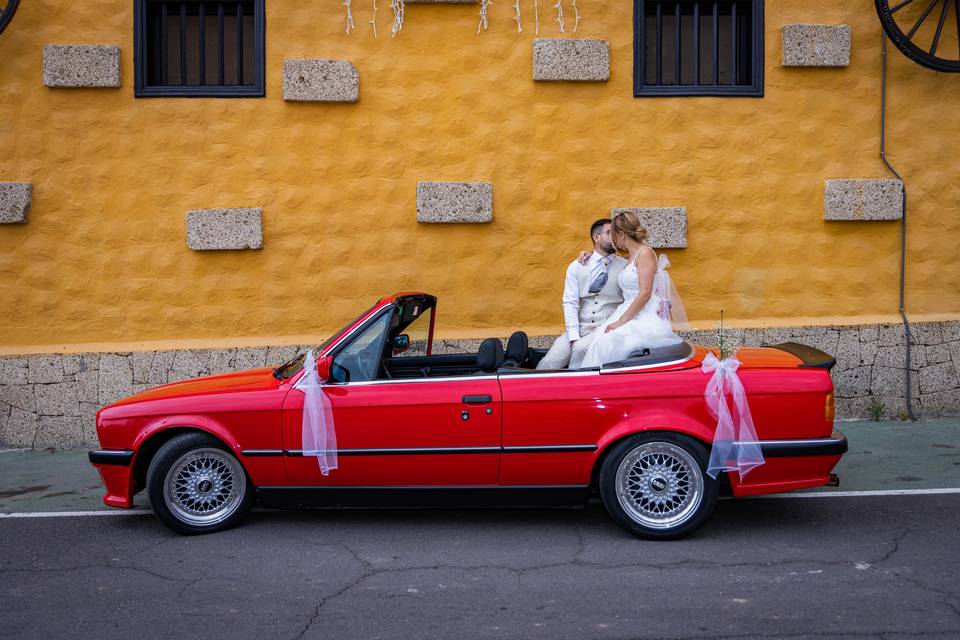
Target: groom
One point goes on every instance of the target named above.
(590, 294)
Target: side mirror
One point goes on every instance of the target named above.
(401, 343)
(323, 368)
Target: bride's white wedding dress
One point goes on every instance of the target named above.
(650, 328)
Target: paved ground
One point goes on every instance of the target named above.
(881, 567)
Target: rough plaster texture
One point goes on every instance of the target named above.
(114, 175)
(571, 59)
(224, 229)
(52, 400)
(816, 45)
(452, 202)
(441, 2)
(314, 80)
(666, 227)
(81, 66)
(15, 201)
(863, 200)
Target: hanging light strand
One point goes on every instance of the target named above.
(350, 27)
(484, 6)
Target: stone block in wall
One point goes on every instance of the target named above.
(224, 229)
(571, 59)
(850, 199)
(666, 227)
(816, 45)
(453, 202)
(15, 201)
(316, 80)
(79, 66)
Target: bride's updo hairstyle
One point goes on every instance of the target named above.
(628, 223)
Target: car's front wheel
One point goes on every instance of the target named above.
(655, 485)
(197, 486)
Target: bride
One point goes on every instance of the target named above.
(643, 319)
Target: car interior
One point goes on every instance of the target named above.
(393, 347)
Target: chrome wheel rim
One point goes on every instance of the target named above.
(659, 485)
(204, 487)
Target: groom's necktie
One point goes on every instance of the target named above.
(601, 280)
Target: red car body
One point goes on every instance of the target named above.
(508, 429)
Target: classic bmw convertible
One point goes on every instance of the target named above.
(470, 429)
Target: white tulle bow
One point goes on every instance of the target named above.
(735, 446)
(318, 431)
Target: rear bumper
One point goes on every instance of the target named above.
(116, 471)
(835, 445)
(791, 465)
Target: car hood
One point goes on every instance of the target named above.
(249, 380)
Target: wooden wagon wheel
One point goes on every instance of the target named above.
(924, 30)
(7, 9)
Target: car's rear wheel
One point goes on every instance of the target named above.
(655, 485)
(197, 486)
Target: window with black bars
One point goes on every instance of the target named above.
(199, 48)
(697, 48)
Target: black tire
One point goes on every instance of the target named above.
(196, 485)
(665, 471)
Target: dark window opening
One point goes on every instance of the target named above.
(199, 48)
(705, 47)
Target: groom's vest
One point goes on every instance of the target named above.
(595, 308)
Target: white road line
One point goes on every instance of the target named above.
(76, 514)
(773, 496)
(857, 494)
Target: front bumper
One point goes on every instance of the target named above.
(116, 471)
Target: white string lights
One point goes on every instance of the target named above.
(484, 7)
(397, 7)
(346, 3)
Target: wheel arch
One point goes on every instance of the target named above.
(151, 443)
(612, 439)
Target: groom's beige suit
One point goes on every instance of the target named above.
(584, 311)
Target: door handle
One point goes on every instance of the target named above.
(477, 399)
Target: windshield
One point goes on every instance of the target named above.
(292, 366)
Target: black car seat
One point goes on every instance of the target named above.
(516, 353)
(490, 355)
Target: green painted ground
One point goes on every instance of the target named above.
(883, 455)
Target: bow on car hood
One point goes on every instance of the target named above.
(250, 380)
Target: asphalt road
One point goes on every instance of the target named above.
(859, 567)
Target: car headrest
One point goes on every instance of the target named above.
(490, 355)
(517, 347)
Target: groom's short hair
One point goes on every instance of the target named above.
(597, 226)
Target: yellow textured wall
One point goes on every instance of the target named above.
(104, 259)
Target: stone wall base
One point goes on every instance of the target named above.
(50, 400)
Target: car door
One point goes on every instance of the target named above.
(410, 432)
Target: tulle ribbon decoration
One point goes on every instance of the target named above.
(319, 433)
(735, 446)
(671, 308)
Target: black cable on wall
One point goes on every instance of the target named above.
(903, 217)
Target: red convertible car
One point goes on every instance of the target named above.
(471, 429)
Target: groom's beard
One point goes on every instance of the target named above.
(606, 249)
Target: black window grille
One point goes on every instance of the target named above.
(698, 48)
(199, 48)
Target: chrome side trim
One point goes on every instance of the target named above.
(551, 448)
(420, 451)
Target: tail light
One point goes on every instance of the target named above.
(830, 408)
